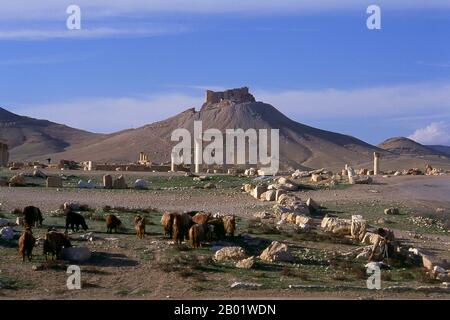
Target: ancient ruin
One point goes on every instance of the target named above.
(238, 95)
(143, 158)
(376, 163)
(4, 154)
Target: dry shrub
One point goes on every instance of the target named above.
(287, 272)
(302, 275)
(359, 272)
(425, 277)
(386, 276)
(339, 277)
(405, 275)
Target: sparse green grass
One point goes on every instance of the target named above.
(11, 283)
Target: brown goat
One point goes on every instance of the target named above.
(197, 234)
(229, 223)
(139, 226)
(180, 228)
(112, 222)
(32, 217)
(26, 244)
(167, 222)
(54, 242)
(201, 217)
(218, 228)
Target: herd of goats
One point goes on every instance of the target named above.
(195, 227)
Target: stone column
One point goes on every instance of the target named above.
(197, 155)
(351, 175)
(376, 162)
(91, 165)
(172, 163)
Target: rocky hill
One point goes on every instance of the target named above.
(300, 145)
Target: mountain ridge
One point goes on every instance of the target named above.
(301, 146)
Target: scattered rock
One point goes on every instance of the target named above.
(246, 263)
(17, 181)
(371, 238)
(262, 215)
(120, 183)
(336, 225)
(39, 174)
(278, 194)
(140, 184)
(7, 233)
(282, 198)
(287, 187)
(277, 251)
(301, 174)
(316, 177)
(258, 191)
(358, 227)
(312, 205)
(37, 268)
(270, 195)
(3, 222)
(251, 172)
(87, 237)
(245, 285)
(229, 253)
(76, 254)
(363, 180)
(303, 221)
(384, 221)
(84, 185)
(391, 211)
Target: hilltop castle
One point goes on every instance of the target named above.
(238, 95)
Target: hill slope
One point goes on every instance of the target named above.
(442, 149)
(405, 146)
(30, 138)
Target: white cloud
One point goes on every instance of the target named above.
(26, 9)
(95, 33)
(435, 133)
(112, 114)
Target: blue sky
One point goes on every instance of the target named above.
(140, 61)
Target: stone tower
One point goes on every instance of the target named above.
(4, 154)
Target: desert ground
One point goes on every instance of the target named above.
(125, 267)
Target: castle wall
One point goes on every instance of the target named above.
(235, 95)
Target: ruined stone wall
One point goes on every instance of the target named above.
(4, 154)
(238, 95)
